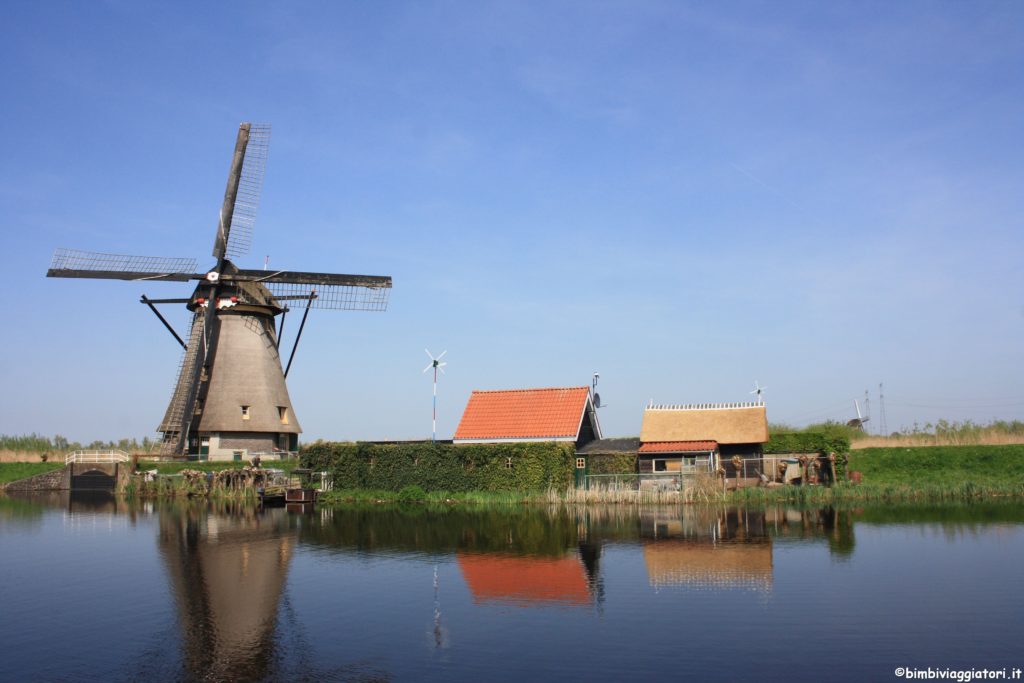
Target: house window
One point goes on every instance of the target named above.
(282, 413)
(668, 465)
(508, 463)
(245, 412)
(581, 463)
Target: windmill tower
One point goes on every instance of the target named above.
(230, 398)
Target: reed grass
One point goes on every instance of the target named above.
(985, 438)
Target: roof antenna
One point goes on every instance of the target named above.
(437, 365)
(593, 390)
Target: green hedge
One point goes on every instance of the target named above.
(613, 463)
(807, 442)
(444, 467)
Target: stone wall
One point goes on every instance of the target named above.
(56, 480)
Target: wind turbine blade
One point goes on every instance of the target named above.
(442, 354)
(428, 367)
(429, 354)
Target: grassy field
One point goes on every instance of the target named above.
(934, 473)
(941, 465)
(175, 467)
(13, 471)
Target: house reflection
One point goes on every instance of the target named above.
(707, 548)
(227, 569)
(526, 581)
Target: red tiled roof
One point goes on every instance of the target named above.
(525, 581)
(524, 414)
(678, 446)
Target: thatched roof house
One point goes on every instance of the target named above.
(679, 438)
(724, 423)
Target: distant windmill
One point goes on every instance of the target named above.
(858, 422)
(759, 391)
(437, 365)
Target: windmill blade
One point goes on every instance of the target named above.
(91, 264)
(181, 409)
(429, 355)
(305, 278)
(242, 194)
(334, 291)
(442, 355)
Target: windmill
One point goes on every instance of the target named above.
(230, 397)
(759, 391)
(858, 422)
(437, 365)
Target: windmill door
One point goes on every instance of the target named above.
(204, 447)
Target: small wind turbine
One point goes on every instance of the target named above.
(759, 390)
(437, 365)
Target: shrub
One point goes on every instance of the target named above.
(444, 467)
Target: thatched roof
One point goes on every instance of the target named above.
(709, 565)
(733, 424)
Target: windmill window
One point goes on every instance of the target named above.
(245, 412)
(581, 463)
(282, 413)
(508, 463)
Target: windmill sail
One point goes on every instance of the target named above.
(327, 291)
(242, 194)
(97, 265)
(182, 408)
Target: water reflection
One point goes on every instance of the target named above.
(227, 567)
(703, 548)
(347, 594)
(525, 581)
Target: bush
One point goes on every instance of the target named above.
(411, 494)
(444, 467)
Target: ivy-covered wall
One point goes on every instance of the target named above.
(612, 463)
(444, 467)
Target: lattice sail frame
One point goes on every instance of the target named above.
(76, 259)
(330, 297)
(250, 186)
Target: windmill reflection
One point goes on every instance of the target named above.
(227, 569)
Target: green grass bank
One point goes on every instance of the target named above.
(13, 471)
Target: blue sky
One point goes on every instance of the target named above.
(684, 197)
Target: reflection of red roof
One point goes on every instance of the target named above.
(678, 446)
(524, 414)
(525, 581)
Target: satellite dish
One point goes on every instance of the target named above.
(597, 400)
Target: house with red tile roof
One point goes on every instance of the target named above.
(518, 415)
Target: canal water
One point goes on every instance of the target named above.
(99, 589)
